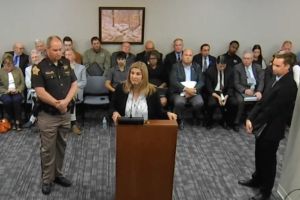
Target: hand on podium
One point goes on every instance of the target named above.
(172, 116)
(115, 116)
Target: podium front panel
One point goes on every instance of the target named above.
(145, 160)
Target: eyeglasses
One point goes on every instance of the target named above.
(152, 58)
(7, 63)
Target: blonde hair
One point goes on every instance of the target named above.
(146, 88)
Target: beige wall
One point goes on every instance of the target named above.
(196, 21)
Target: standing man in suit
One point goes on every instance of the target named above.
(144, 55)
(20, 59)
(174, 56)
(186, 71)
(130, 57)
(204, 59)
(231, 58)
(268, 121)
(248, 81)
(219, 84)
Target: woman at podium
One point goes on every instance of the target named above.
(136, 97)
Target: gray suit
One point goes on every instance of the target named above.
(176, 77)
(240, 85)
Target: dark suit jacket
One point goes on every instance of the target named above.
(170, 59)
(119, 99)
(275, 108)
(240, 78)
(178, 75)
(211, 80)
(24, 61)
(198, 59)
(143, 56)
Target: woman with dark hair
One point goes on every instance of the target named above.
(257, 56)
(157, 75)
(12, 85)
(136, 97)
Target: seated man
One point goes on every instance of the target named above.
(96, 60)
(143, 56)
(174, 56)
(118, 73)
(130, 57)
(20, 59)
(219, 84)
(204, 59)
(231, 58)
(186, 81)
(248, 81)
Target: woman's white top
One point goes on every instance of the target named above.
(136, 108)
(11, 82)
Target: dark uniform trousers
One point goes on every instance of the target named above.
(53, 130)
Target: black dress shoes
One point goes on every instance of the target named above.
(62, 181)
(225, 126)
(46, 188)
(260, 196)
(249, 183)
(236, 128)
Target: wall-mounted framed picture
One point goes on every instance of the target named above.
(121, 24)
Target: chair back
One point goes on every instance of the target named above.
(95, 85)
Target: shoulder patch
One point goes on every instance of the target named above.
(35, 70)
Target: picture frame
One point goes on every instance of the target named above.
(121, 24)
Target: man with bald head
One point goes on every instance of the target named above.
(130, 57)
(20, 59)
(248, 82)
(182, 89)
(55, 84)
(143, 56)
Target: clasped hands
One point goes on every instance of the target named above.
(12, 91)
(189, 92)
(62, 105)
(222, 101)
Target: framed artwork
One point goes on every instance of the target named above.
(121, 24)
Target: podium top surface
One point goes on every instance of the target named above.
(156, 123)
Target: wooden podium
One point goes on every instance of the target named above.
(145, 160)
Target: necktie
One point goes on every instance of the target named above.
(16, 60)
(178, 56)
(221, 81)
(204, 64)
(275, 81)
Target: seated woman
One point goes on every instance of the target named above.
(157, 75)
(136, 97)
(11, 89)
(257, 56)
